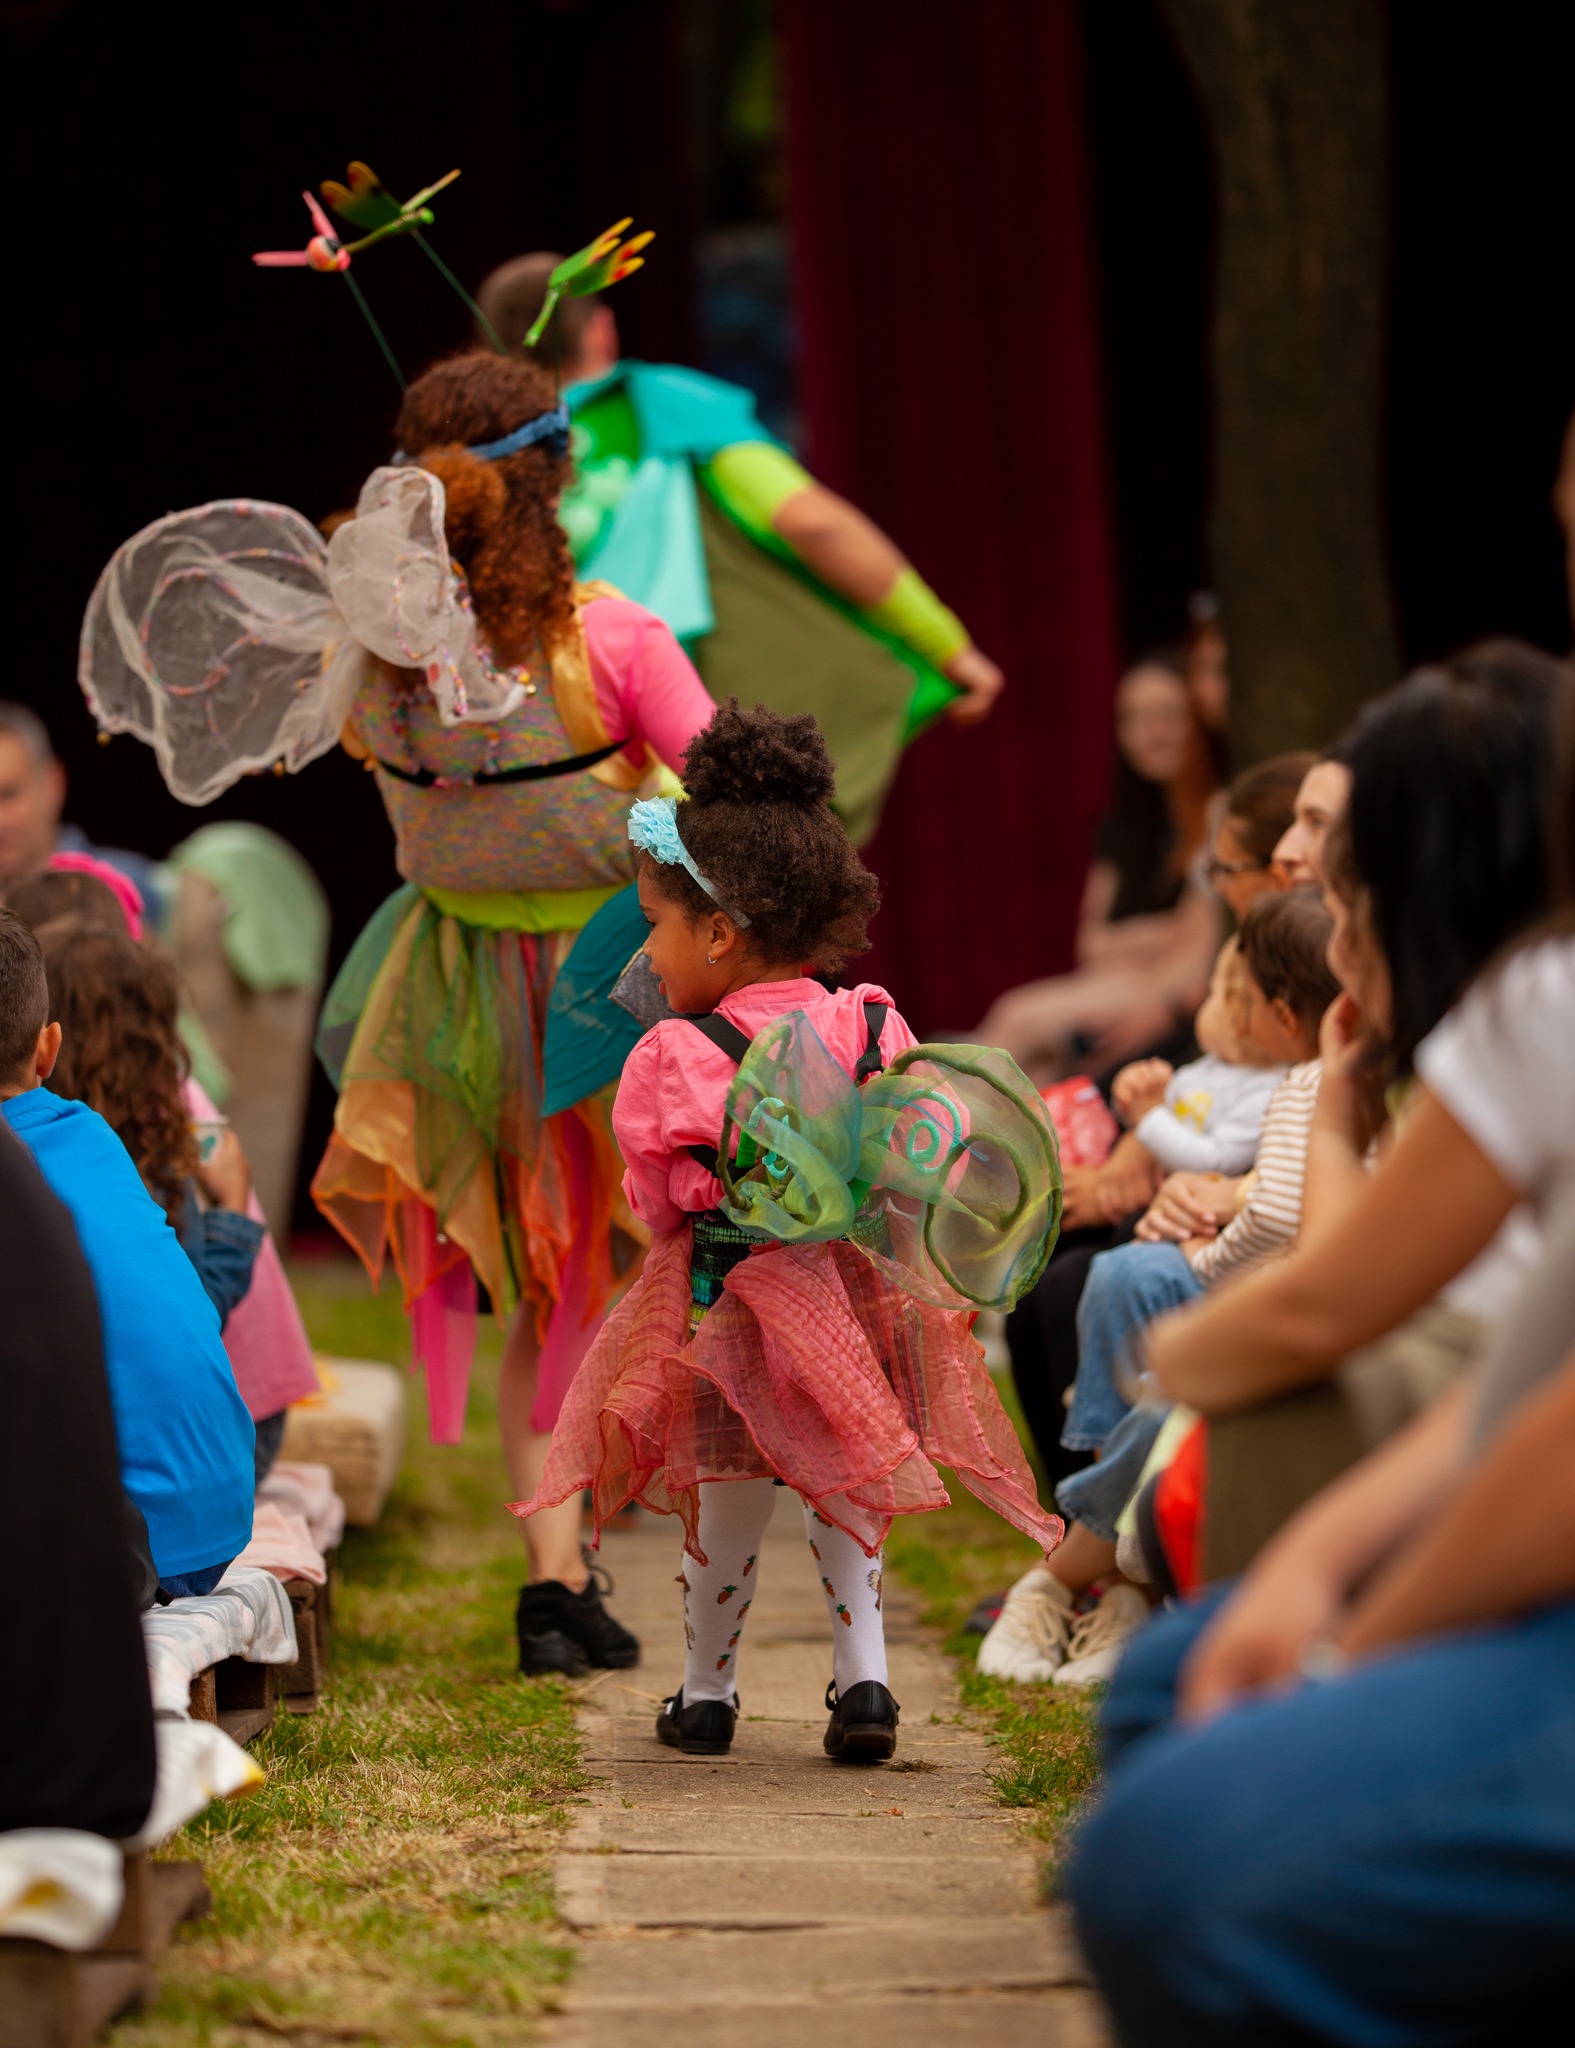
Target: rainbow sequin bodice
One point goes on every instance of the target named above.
(564, 832)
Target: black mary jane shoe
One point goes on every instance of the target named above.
(863, 1724)
(705, 1729)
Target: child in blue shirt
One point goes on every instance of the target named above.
(184, 1434)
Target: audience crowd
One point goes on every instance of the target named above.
(1300, 1374)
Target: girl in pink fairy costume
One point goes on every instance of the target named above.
(829, 1204)
(508, 714)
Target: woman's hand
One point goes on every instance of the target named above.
(980, 682)
(226, 1179)
(1288, 1602)
(1340, 1038)
(1138, 1088)
(1188, 1205)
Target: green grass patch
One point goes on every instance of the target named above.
(1044, 1737)
(390, 1882)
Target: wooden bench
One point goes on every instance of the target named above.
(53, 1998)
(242, 1698)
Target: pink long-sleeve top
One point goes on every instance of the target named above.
(675, 1082)
(646, 686)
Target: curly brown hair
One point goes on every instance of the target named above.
(116, 1003)
(502, 518)
(759, 824)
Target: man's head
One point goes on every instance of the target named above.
(32, 794)
(582, 335)
(29, 1043)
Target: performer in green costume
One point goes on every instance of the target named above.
(779, 590)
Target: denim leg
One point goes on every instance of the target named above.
(1096, 1495)
(1126, 1289)
(1386, 1860)
(1142, 1693)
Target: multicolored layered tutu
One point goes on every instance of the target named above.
(440, 1156)
(838, 1355)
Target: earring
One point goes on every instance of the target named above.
(710, 959)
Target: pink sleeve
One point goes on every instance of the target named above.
(646, 686)
(639, 1126)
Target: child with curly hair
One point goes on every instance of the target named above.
(797, 1322)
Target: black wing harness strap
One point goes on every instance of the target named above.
(533, 771)
(728, 1038)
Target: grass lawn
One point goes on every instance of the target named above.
(390, 1883)
(1045, 1736)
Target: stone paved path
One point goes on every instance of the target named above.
(748, 1901)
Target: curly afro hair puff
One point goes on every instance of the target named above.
(755, 757)
(759, 824)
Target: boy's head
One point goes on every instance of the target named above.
(1220, 1025)
(29, 1043)
(1288, 980)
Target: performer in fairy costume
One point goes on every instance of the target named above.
(508, 715)
(829, 1203)
(778, 587)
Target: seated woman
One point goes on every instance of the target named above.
(1429, 875)
(1147, 933)
(1287, 988)
(1258, 814)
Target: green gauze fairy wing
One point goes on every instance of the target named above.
(943, 1168)
(964, 1176)
(798, 1119)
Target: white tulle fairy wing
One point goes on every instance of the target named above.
(208, 636)
(390, 575)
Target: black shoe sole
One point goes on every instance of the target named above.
(615, 1660)
(691, 1747)
(866, 1742)
(551, 1655)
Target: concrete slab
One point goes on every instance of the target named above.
(899, 1957)
(769, 1890)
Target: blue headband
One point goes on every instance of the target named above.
(551, 426)
(653, 827)
(546, 426)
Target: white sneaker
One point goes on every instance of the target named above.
(1101, 1635)
(1028, 1639)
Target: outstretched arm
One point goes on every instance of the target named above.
(849, 554)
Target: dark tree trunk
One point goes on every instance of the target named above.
(1295, 95)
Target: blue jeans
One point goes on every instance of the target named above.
(186, 1585)
(1385, 1860)
(1096, 1495)
(1126, 1289)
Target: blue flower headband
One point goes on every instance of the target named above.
(552, 427)
(653, 827)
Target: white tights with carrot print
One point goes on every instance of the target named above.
(718, 1595)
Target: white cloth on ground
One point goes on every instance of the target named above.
(247, 1615)
(59, 1885)
(1211, 1117)
(307, 1491)
(282, 1544)
(198, 1763)
(734, 1515)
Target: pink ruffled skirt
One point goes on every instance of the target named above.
(814, 1368)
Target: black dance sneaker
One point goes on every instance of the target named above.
(863, 1724)
(705, 1729)
(570, 1632)
(541, 1625)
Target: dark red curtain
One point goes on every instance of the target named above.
(951, 382)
